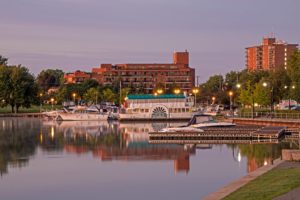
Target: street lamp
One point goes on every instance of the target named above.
(265, 84)
(52, 101)
(74, 97)
(195, 91)
(230, 93)
(41, 95)
(213, 100)
(238, 85)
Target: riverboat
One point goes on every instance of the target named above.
(157, 107)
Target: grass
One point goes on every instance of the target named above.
(268, 186)
(32, 109)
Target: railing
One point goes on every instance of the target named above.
(274, 115)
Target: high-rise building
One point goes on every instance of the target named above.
(270, 55)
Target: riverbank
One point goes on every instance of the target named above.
(281, 180)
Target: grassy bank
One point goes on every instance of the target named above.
(32, 109)
(268, 186)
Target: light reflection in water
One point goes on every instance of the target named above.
(127, 144)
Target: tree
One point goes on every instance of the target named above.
(109, 95)
(3, 60)
(261, 94)
(293, 70)
(92, 95)
(50, 78)
(17, 87)
(246, 96)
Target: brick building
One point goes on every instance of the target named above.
(270, 55)
(145, 77)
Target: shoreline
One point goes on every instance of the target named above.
(237, 184)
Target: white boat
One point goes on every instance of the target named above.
(83, 114)
(198, 122)
(157, 107)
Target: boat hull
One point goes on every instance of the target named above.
(82, 117)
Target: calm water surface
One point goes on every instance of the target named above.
(100, 160)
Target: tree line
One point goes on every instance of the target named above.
(20, 88)
(259, 87)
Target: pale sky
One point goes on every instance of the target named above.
(82, 34)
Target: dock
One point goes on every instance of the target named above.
(217, 134)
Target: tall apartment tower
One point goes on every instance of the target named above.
(270, 55)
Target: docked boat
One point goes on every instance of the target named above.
(83, 114)
(198, 122)
(157, 107)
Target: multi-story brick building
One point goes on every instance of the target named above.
(145, 77)
(270, 55)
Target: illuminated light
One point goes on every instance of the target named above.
(213, 98)
(195, 90)
(285, 87)
(255, 104)
(230, 93)
(177, 91)
(265, 163)
(41, 138)
(52, 132)
(160, 91)
(265, 84)
(293, 87)
(239, 158)
(238, 85)
(155, 94)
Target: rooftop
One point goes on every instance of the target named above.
(151, 96)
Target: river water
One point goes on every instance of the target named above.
(99, 160)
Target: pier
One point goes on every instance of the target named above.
(215, 134)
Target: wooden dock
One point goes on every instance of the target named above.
(238, 133)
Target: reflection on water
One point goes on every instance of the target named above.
(22, 139)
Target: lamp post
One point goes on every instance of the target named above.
(230, 93)
(41, 95)
(74, 97)
(213, 100)
(195, 91)
(265, 84)
(52, 102)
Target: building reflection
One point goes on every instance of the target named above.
(115, 141)
(20, 139)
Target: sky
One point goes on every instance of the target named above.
(82, 34)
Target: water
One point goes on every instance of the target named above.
(97, 160)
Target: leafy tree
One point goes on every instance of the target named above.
(92, 95)
(293, 70)
(246, 95)
(261, 94)
(3, 60)
(109, 95)
(50, 78)
(17, 87)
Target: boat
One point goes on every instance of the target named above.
(83, 114)
(203, 120)
(157, 107)
(197, 123)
